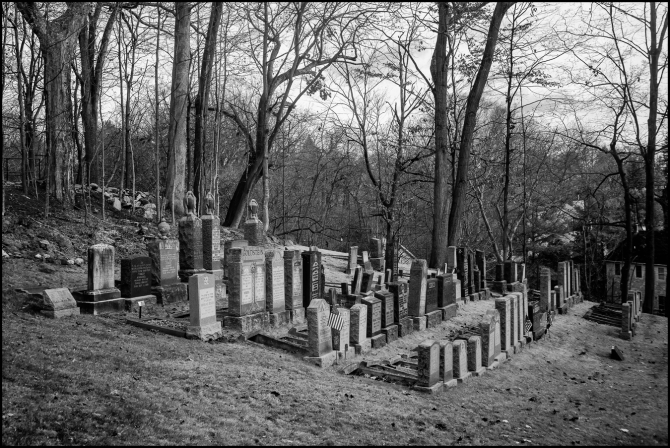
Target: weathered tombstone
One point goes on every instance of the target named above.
(451, 260)
(202, 308)
(367, 266)
(400, 312)
(353, 260)
(447, 363)
(374, 321)
(476, 275)
(226, 248)
(498, 346)
(246, 286)
(101, 295)
(164, 254)
(471, 272)
(358, 328)
(367, 282)
(319, 341)
(626, 321)
(503, 306)
(58, 302)
(388, 312)
(460, 360)
(514, 322)
(417, 288)
(428, 367)
(135, 277)
(293, 286)
(545, 289)
(375, 248)
(562, 278)
(461, 270)
(311, 276)
(254, 229)
(211, 237)
(343, 334)
(275, 289)
(433, 314)
(537, 318)
(357, 282)
(447, 291)
(487, 328)
(475, 356)
(480, 260)
(190, 241)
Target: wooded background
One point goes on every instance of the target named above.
(533, 131)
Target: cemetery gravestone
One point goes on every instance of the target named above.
(545, 288)
(211, 239)
(246, 285)
(57, 303)
(374, 320)
(626, 323)
(447, 364)
(431, 295)
(164, 254)
(343, 336)
(514, 322)
(428, 372)
(460, 360)
(475, 356)
(320, 340)
(417, 288)
(101, 295)
(293, 280)
(135, 277)
(503, 306)
(471, 273)
(226, 248)
(311, 276)
(202, 308)
(480, 260)
(447, 291)
(358, 328)
(353, 260)
(367, 266)
(451, 260)
(461, 267)
(400, 311)
(275, 290)
(190, 244)
(496, 319)
(487, 328)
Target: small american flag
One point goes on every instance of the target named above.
(528, 325)
(335, 322)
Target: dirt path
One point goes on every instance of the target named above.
(93, 380)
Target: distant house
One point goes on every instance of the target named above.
(614, 265)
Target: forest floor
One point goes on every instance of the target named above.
(94, 380)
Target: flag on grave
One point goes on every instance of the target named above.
(335, 322)
(528, 325)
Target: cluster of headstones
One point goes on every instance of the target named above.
(443, 364)
(631, 312)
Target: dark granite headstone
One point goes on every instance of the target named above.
(374, 317)
(164, 256)
(246, 270)
(311, 276)
(431, 295)
(386, 298)
(135, 277)
(293, 279)
(211, 242)
(190, 246)
(400, 292)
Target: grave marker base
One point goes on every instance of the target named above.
(131, 304)
(451, 383)
(363, 347)
(419, 323)
(102, 307)
(464, 378)
(248, 323)
(500, 358)
(433, 319)
(499, 286)
(405, 327)
(297, 316)
(204, 332)
(378, 341)
(174, 293)
(474, 297)
(449, 311)
(563, 309)
(279, 319)
(322, 361)
(391, 333)
(61, 313)
(627, 335)
(515, 287)
(479, 372)
(434, 389)
(517, 348)
(96, 295)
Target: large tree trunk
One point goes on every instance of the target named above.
(178, 103)
(56, 40)
(201, 101)
(470, 122)
(439, 73)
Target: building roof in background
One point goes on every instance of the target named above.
(639, 254)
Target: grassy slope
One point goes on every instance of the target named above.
(98, 381)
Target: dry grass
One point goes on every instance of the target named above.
(92, 381)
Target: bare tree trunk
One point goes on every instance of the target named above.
(469, 124)
(22, 115)
(439, 73)
(178, 111)
(157, 134)
(201, 101)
